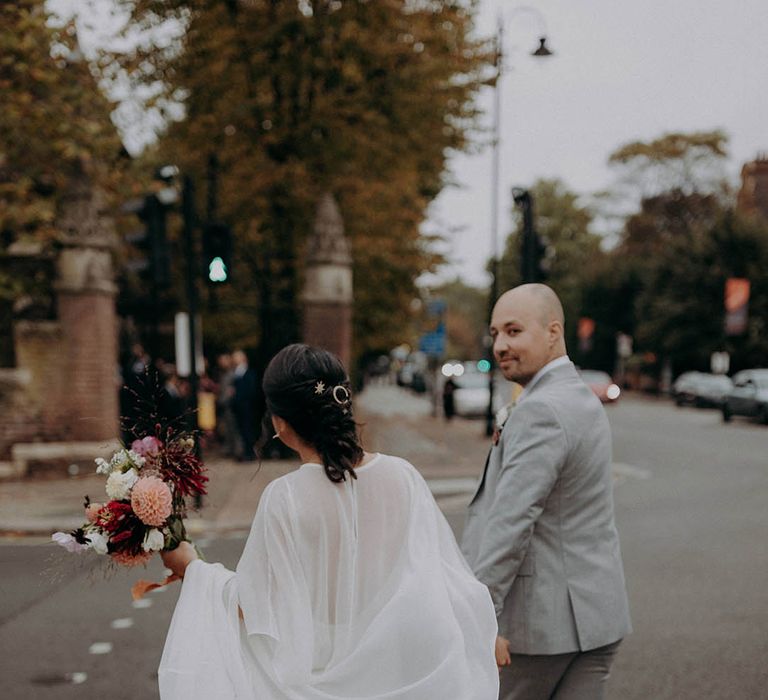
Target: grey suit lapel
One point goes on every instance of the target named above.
(480, 486)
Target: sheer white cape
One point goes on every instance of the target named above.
(352, 590)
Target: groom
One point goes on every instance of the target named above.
(540, 530)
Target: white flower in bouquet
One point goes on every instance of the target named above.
(154, 541)
(98, 542)
(66, 540)
(125, 459)
(119, 484)
(121, 461)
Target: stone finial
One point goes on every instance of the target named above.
(82, 220)
(328, 244)
(87, 237)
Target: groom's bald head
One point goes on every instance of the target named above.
(527, 327)
(540, 298)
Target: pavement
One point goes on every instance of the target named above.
(449, 455)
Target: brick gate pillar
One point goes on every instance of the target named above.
(327, 296)
(86, 293)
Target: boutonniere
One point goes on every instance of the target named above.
(501, 418)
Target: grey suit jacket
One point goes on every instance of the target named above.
(540, 530)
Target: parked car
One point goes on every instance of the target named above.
(749, 396)
(412, 373)
(470, 398)
(601, 384)
(701, 389)
(684, 385)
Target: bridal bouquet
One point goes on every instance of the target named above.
(146, 488)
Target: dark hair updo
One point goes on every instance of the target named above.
(309, 388)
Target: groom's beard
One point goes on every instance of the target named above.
(513, 372)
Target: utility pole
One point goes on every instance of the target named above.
(190, 222)
(490, 418)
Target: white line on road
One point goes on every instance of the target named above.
(77, 677)
(142, 603)
(100, 648)
(451, 487)
(622, 470)
(122, 623)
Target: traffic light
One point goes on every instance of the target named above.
(154, 266)
(536, 253)
(217, 253)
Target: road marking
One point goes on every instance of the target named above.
(452, 493)
(621, 471)
(122, 623)
(100, 648)
(451, 487)
(77, 677)
(142, 603)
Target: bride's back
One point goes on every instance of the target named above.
(351, 536)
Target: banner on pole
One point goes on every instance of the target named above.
(585, 332)
(181, 328)
(736, 304)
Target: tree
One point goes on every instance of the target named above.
(687, 162)
(664, 282)
(54, 125)
(575, 251)
(54, 122)
(466, 319)
(364, 99)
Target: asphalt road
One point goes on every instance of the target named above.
(691, 508)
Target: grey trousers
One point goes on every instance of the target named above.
(577, 676)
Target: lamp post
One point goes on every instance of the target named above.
(540, 52)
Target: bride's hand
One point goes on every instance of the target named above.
(178, 559)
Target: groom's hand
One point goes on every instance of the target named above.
(502, 652)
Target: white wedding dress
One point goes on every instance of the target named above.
(351, 590)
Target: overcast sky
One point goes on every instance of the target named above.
(623, 71)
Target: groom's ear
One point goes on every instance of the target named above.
(555, 331)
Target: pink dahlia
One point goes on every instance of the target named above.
(151, 500)
(131, 559)
(147, 447)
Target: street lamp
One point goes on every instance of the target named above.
(542, 51)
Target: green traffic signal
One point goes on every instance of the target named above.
(217, 270)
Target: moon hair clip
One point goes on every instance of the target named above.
(341, 395)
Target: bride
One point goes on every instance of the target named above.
(350, 584)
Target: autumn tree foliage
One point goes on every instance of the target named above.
(364, 99)
(54, 125)
(54, 121)
(664, 282)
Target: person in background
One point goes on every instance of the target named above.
(448, 401)
(227, 424)
(244, 404)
